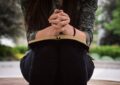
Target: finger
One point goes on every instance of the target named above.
(63, 23)
(63, 18)
(57, 11)
(61, 10)
(64, 14)
(53, 16)
(56, 21)
(56, 26)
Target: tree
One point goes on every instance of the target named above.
(110, 22)
(114, 25)
(10, 19)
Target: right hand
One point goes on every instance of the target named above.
(54, 18)
(46, 32)
(50, 30)
(59, 19)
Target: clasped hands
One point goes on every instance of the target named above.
(59, 20)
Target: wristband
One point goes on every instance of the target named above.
(74, 29)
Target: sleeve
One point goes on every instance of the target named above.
(30, 33)
(87, 17)
(23, 4)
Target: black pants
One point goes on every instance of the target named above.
(63, 62)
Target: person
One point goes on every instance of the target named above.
(59, 34)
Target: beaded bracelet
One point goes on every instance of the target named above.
(74, 29)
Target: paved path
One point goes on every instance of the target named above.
(10, 69)
(103, 71)
(20, 81)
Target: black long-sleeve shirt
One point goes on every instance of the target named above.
(83, 21)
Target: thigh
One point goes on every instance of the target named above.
(89, 65)
(25, 64)
(73, 64)
(44, 64)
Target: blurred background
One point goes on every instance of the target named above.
(105, 48)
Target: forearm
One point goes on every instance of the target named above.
(48, 31)
(69, 30)
(86, 36)
(35, 35)
(81, 34)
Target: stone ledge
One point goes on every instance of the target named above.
(21, 81)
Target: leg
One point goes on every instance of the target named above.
(90, 66)
(25, 64)
(73, 66)
(44, 65)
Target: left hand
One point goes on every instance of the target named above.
(62, 20)
(67, 29)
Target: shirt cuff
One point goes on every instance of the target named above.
(31, 35)
(88, 40)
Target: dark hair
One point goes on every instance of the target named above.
(38, 12)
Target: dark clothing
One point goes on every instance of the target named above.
(63, 62)
(81, 12)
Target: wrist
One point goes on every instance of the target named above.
(70, 30)
(53, 31)
(81, 34)
(48, 31)
(74, 33)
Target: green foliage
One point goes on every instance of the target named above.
(7, 52)
(98, 13)
(107, 58)
(95, 56)
(10, 19)
(108, 18)
(20, 49)
(114, 25)
(112, 51)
